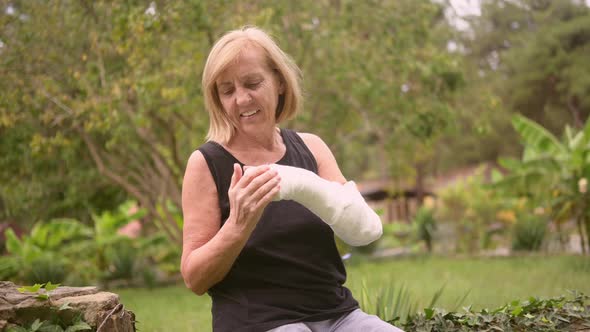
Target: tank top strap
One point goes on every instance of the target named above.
(221, 166)
(298, 154)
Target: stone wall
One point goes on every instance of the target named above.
(101, 310)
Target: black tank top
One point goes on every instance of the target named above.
(290, 269)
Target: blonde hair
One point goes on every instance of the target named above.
(224, 52)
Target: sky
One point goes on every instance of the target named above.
(467, 8)
(462, 8)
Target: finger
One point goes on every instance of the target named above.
(251, 173)
(264, 188)
(250, 166)
(236, 176)
(269, 196)
(259, 181)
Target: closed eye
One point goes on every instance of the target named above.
(227, 92)
(253, 85)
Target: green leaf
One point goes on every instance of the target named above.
(509, 163)
(536, 137)
(36, 324)
(13, 244)
(516, 311)
(43, 297)
(31, 289)
(49, 286)
(429, 312)
(65, 306)
(79, 326)
(51, 328)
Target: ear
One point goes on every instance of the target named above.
(280, 81)
(281, 86)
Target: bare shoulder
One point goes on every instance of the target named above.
(196, 161)
(314, 143)
(327, 165)
(198, 183)
(200, 205)
(197, 172)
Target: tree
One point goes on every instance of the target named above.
(552, 173)
(101, 100)
(381, 84)
(532, 52)
(93, 85)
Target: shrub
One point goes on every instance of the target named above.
(528, 233)
(389, 303)
(556, 314)
(397, 234)
(122, 258)
(47, 267)
(67, 251)
(475, 212)
(425, 226)
(41, 255)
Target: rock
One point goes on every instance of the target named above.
(99, 309)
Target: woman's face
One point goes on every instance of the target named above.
(249, 91)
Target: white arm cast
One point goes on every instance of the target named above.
(340, 206)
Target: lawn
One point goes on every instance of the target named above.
(489, 283)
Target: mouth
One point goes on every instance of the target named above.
(249, 114)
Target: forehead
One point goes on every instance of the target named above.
(250, 61)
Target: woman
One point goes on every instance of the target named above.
(267, 265)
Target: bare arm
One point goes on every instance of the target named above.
(209, 250)
(327, 165)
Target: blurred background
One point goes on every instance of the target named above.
(463, 122)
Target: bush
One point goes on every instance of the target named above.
(45, 268)
(425, 226)
(472, 209)
(42, 255)
(122, 260)
(397, 234)
(389, 303)
(556, 314)
(67, 251)
(528, 233)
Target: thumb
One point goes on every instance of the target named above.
(236, 176)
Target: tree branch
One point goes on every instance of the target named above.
(572, 106)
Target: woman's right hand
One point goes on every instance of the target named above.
(250, 192)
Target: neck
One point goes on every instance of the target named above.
(267, 140)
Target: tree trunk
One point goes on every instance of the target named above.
(420, 190)
(572, 105)
(580, 221)
(586, 221)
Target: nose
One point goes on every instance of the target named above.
(243, 97)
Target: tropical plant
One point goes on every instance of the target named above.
(528, 233)
(475, 213)
(552, 173)
(425, 226)
(37, 257)
(389, 303)
(65, 250)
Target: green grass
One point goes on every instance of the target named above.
(491, 282)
